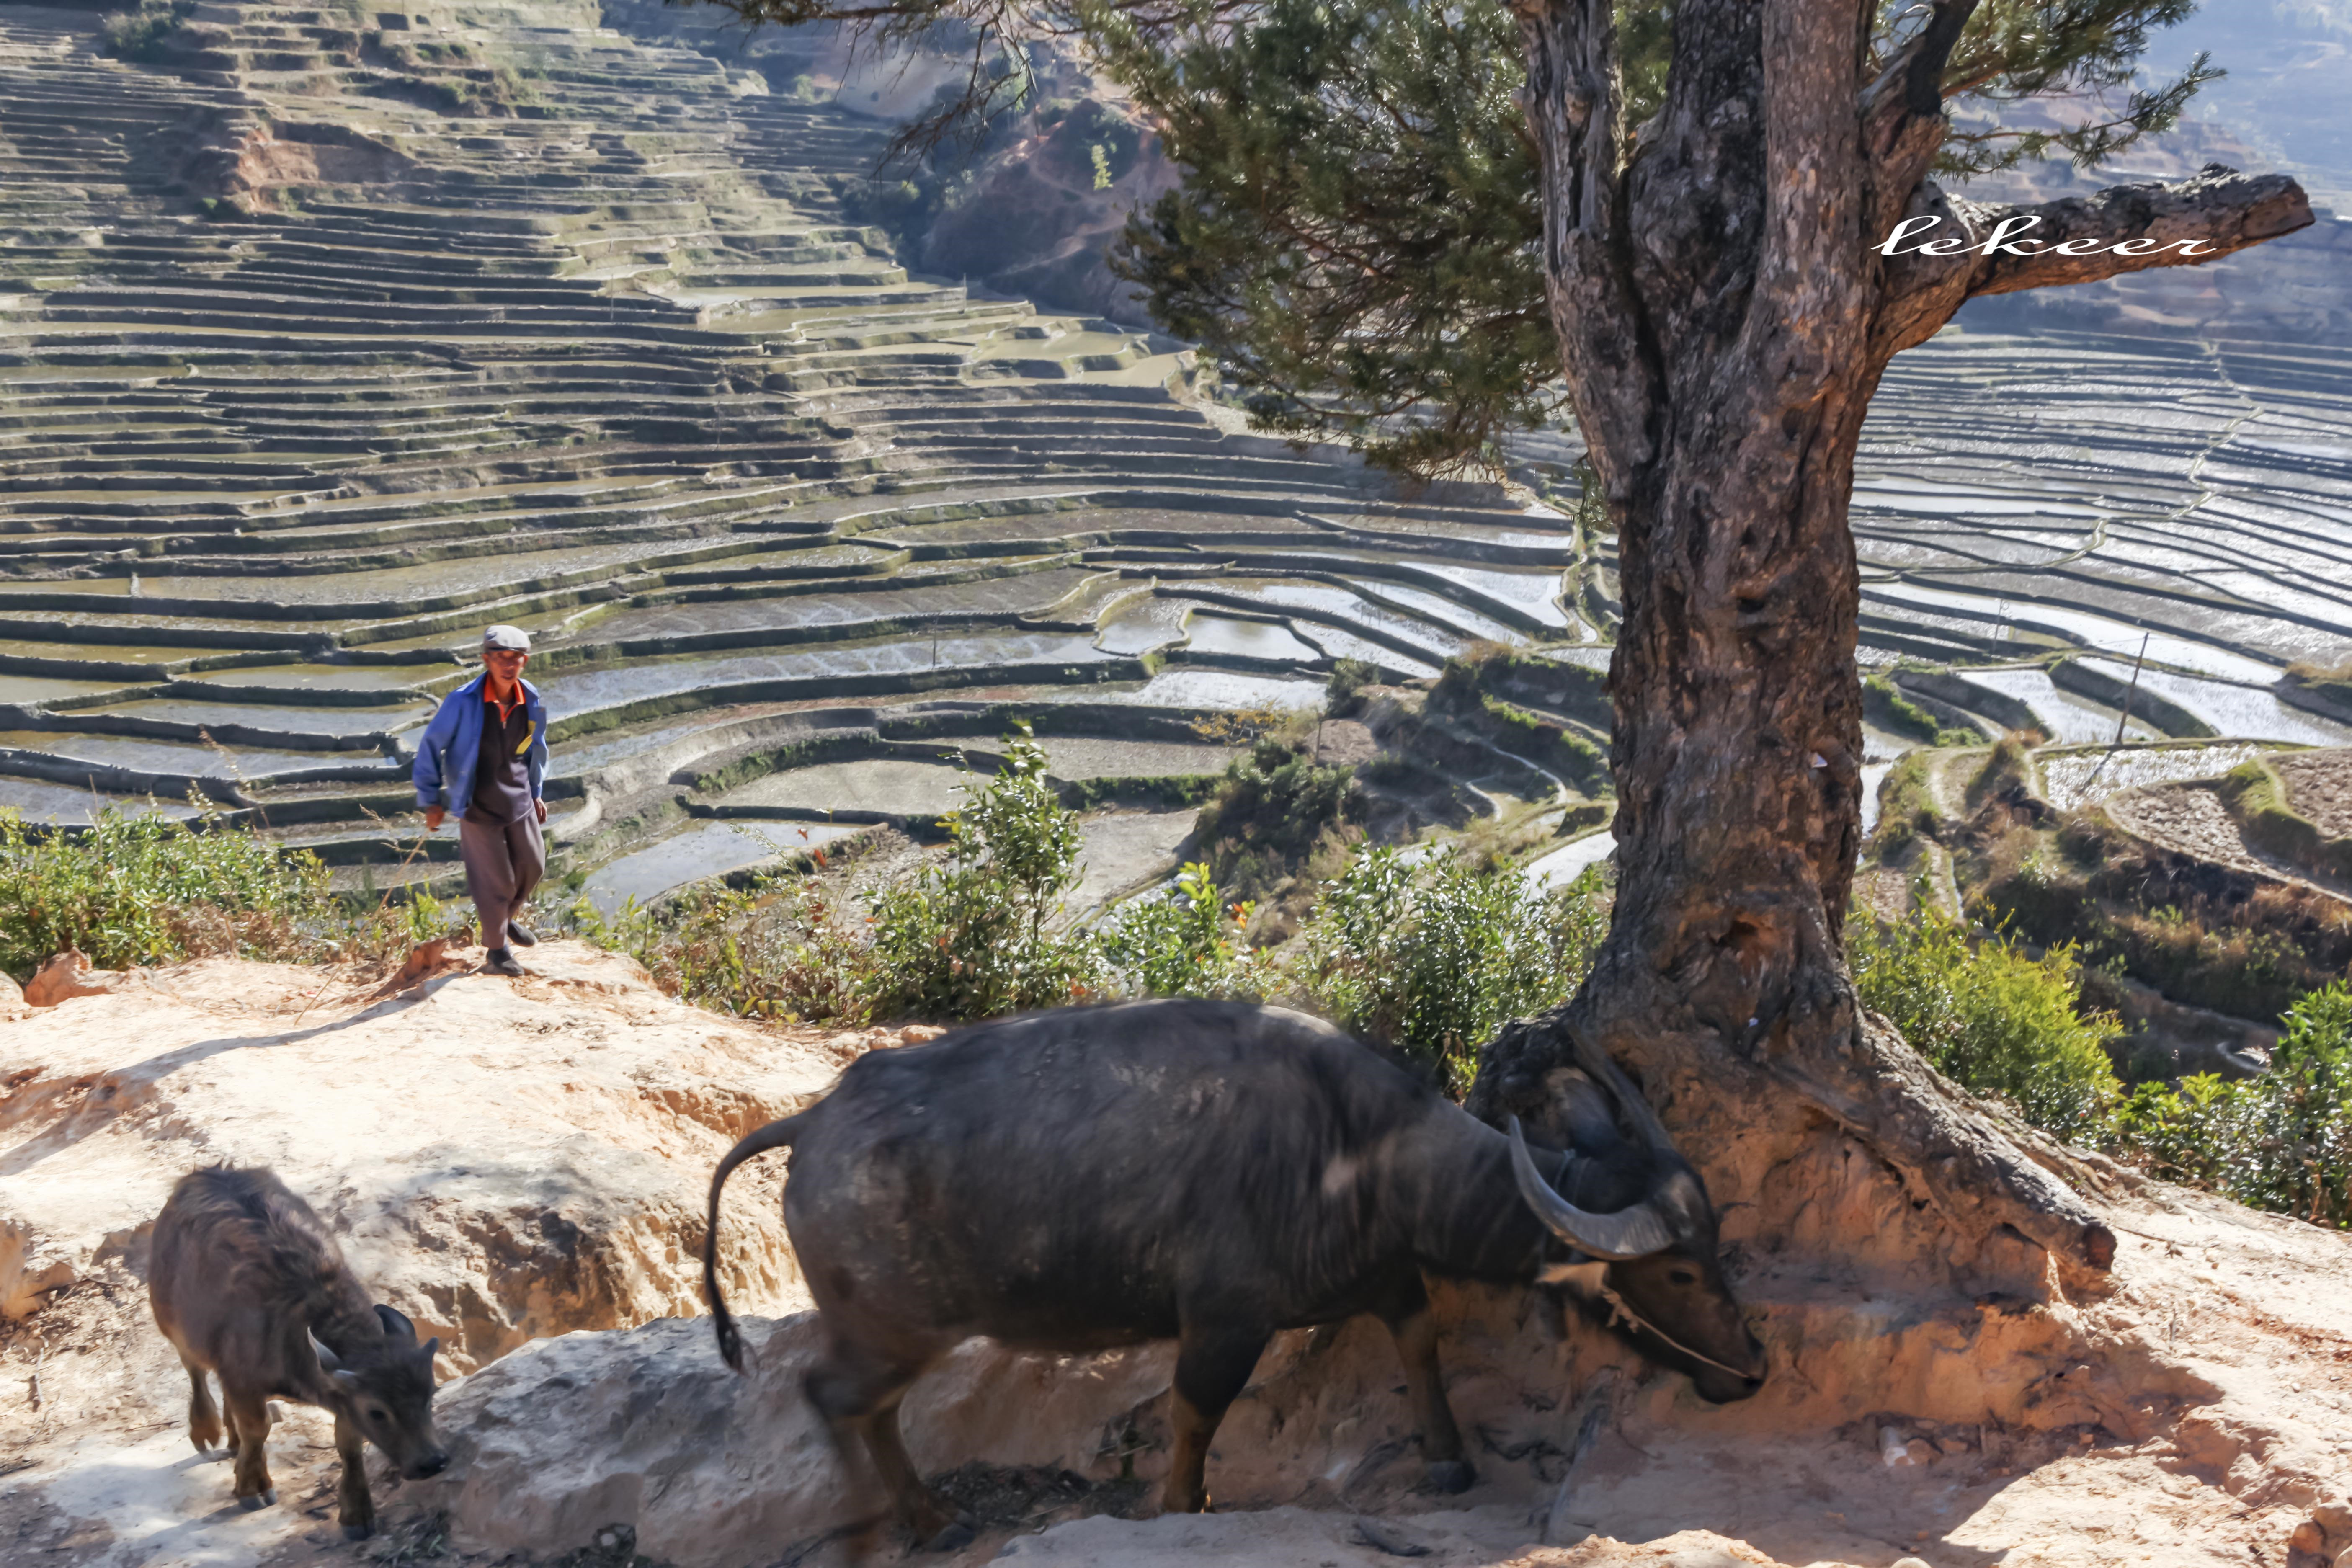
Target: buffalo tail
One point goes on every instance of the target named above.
(774, 1135)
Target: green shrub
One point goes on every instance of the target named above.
(975, 937)
(1433, 958)
(1990, 1017)
(779, 949)
(1907, 806)
(140, 888)
(1275, 806)
(1343, 694)
(1188, 943)
(2282, 1141)
(139, 35)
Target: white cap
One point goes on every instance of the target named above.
(507, 638)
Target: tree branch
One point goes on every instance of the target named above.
(1902, 111)
(2215, 214)
(1574, 100)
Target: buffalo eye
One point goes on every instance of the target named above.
(1683, 1277)
(377, 1413)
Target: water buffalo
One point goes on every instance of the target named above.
(247, 1282)
(1207, 1172)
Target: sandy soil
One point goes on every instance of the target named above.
(2195, 1414)
(503, 1160)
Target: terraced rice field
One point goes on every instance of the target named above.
(611, 363)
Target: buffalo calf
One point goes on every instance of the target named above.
(247, 1283)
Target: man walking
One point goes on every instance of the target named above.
(484, 756)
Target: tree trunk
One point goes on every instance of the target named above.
(1724, 315)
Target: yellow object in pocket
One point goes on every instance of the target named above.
(527, 730)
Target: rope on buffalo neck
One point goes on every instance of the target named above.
(1619, 1313)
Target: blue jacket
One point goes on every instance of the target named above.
(451, 746)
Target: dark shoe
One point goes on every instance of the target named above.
(520, 934)
(501, 961)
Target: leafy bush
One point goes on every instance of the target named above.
(1343, 694)
(1189, 943)
(2282, 1141)
(1907, 806)
(140, 888)
(779, 949)
(973, 938)
(1992, 1019)
(139, 35)
(1274, 809)
(1433, 958)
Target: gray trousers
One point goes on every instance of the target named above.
(504, 861)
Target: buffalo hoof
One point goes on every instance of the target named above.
(956, 1536)
(1451, 1475)
(358, 1531)
(252, 1501)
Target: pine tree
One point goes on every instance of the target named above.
(1713, 188)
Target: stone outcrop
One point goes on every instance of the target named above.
(66, 976)
(1886, 1430)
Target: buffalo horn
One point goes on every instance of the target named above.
(1636, 1232)
(1629, 1098)
(328, 1362)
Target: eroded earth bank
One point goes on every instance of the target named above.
(519, 1166)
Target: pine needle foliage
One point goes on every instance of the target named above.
(1357, 240)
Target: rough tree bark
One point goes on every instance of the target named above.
(1724, 316)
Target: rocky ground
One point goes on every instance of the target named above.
(519, 1164)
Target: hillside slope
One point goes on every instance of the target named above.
(461, 1133)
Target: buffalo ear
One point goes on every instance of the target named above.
(329, 1361)
(394, 1324)
(432, 1349)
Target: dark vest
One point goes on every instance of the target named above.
(502, 776)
